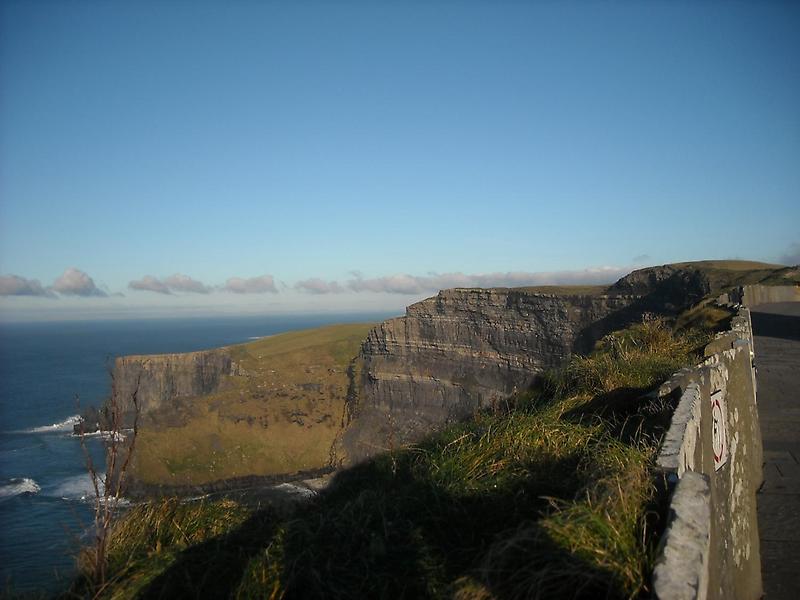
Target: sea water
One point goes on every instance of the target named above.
(45, 370)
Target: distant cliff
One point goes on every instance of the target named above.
(160, 382)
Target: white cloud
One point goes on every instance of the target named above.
(392, 284)
(315, 285)
(253, 285)
(148, 283)
(184, 283)
(75, 282)
(14, 285)
(417, 284)
(173, 283)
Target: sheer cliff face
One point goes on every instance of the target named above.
(466, 349)
(162, 381)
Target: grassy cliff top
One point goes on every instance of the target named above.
(280, 412)
(336, 340)
(711, 276)
(279, 343)
(730, 273)
(752, 270)
(729, 265)
(721, 275)
(564, 290)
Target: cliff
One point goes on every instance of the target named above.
(162, 382)
(159, 382)
(558, 492)
(467, 349)
(321, 398)
(269, 407)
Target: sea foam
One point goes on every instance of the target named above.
(118, 436)
(17, 486)
(66, 425)
(79, 488)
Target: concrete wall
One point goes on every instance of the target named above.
(753, 295)
(712, 461)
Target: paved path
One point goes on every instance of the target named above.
(777, 349)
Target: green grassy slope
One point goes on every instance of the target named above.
(721, 274)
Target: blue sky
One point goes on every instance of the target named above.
(160, 158)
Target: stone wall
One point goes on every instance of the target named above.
(712, 461)
(753, 295)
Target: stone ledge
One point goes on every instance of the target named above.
(681, 571)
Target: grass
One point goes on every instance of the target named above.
(730, 265)
(722, 275)
(281, 415)
(550, 497)
(632, 358)
(705, 316)
(726, 274)
(564, 290)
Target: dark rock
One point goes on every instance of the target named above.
(463, 350)
(467, 349)
(159, 381)
(668, 287)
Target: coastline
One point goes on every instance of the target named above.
(281, 491)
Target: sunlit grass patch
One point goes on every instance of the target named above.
(637, 357)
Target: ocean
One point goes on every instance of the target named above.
(45, 491)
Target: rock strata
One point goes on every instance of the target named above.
(466, 349)
(160, 383)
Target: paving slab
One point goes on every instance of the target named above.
(779, 517)
(779, 456)
(780, 430)
(784, 560)
(777, 348)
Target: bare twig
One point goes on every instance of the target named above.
(108, 490)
